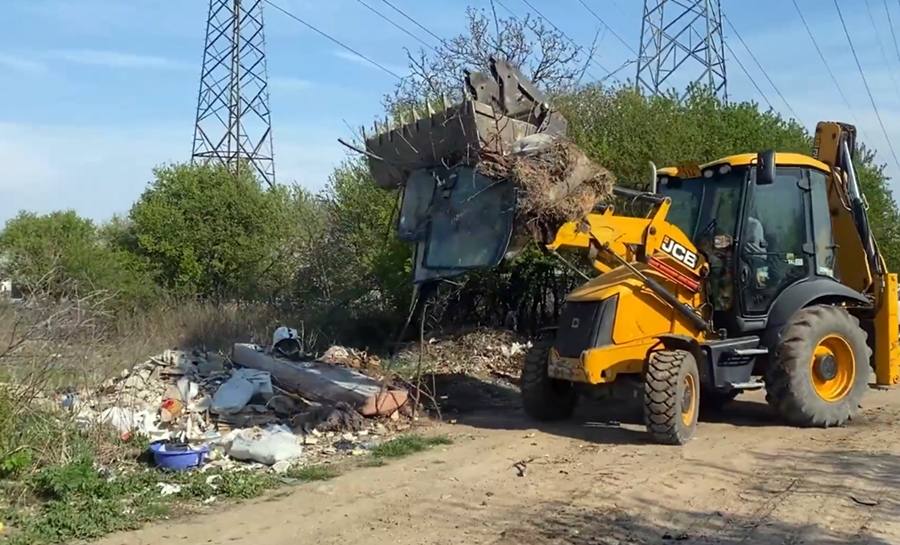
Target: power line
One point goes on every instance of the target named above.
(825, 61)
(413, 21)
(881, 46)
(758, 65)
(408, 33)
(751, 78)
(578, 48)
(829, 70)
(893, 34)
(866, 83)
(332, 39)
(609, 28)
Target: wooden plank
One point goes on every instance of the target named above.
(323, 382)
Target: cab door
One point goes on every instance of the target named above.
(772, 248)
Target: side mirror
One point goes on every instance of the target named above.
(765, 167)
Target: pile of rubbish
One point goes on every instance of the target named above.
(556, 181)
(506, 130)
(231, 410)
(477, 353)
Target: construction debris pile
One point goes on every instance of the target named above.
(255, 407)
(477, 353)
(556, 181)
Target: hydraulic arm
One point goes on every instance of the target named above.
(614, 241)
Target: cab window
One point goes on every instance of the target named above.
(821, 223)
(774, 233)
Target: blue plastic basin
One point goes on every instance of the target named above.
(177, 460)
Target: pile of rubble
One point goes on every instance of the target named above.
(237, 413)
(275, 407)
(476, 353)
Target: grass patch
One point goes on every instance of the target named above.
(408, 444)
(76, 502)
(308, 474)
(60, 483)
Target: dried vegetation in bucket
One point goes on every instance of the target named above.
(557, 182)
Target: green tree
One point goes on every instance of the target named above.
(208, 232)
(357, 278)
(61, 254)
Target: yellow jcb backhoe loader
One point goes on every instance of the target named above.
(752, 271)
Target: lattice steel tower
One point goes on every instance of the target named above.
(234, 123)
(683, 36)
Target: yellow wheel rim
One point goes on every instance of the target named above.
(689, 400)
(833, 368)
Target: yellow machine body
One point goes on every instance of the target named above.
(641, 316)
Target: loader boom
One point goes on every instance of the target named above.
(615, 239)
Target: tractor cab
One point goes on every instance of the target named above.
(762, 228)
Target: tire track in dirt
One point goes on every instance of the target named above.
(759, 495)
(732, 484)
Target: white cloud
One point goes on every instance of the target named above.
(116, 59)
(99, 171)
(289, 83)
(354, 58)
(21, 64)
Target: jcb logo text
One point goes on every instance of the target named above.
(679, 252)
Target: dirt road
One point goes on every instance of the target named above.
(745, 480)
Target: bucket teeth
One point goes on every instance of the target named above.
(444, 102)
(429, 109)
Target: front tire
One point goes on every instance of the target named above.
(545, 398)
(820, 371)
(671, 396)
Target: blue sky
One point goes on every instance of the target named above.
(97, 92)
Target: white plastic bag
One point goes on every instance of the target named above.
(268, 446)
(235, 393)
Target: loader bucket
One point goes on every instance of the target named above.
(464, 206)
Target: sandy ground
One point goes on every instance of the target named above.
(743, 479)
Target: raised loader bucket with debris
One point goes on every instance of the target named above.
(480, 177)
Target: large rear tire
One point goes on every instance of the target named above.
(820, 371)
(671, 396)
(544, 398)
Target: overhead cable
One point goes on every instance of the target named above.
(413, 21)
(578, 48)
(893, 34)
(389, 20)
(758, 65)
(866, 83)
(332, 39)
(602, 22)
(884, 56)
(751, 78)
(825, 61)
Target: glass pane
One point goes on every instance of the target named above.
(417, 194)
(471, 221)
(773, 238)
(706, 210)
(686, 196)
(821, 219)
